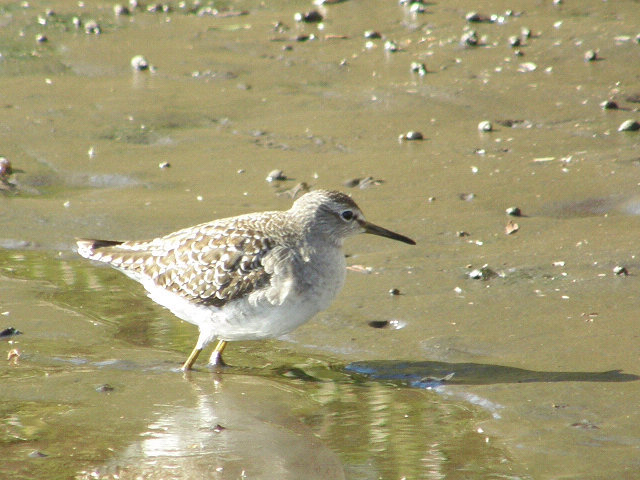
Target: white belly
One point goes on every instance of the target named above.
(251, 319)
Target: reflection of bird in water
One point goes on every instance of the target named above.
(249, 277)
(240, 423)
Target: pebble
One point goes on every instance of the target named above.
(312, 16)
(139, 63)
(475, 17)
(372, 34)
(470, 38)
(514, 211)
(105, 388)
(591, 56)
(362, 182)
(619, 270)
(92, 27)
(390, 46)
(629, 126)
(483, 273)
(467, 197)
(485, 126)
(586, 425)
(159, 7)
(120, 10)
(37, 454)
(304, 38)
(419, 68)
(527, 67)
(275, 175)
(394, 291)
(378, 323)
(514, 41)
(40, 38)
(417, 7)
(609, 105)
(411, 135)
(9, 332)
(475, 274)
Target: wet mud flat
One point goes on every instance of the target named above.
(503, 344)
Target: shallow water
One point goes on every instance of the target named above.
(544, 352)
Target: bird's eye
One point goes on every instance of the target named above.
(347, 215)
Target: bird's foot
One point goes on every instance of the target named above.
(216, 360)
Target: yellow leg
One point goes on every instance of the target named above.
(216, 356)
(191, 360)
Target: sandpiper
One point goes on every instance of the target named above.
(249, 277)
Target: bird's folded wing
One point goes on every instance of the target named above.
(209, 265)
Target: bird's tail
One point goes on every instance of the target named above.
(88, 247)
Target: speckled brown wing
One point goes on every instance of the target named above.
(214, 269)
(210, 264)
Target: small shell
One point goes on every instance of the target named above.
(511, 227)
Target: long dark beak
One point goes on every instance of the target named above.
(383, 232)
